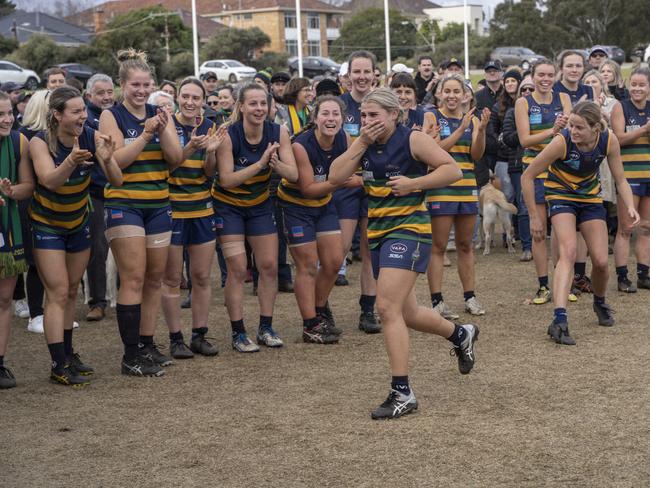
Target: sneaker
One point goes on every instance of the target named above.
(95, 314)
(573, 296)
(319, 334)
(643, 282)
(526, 256)
(583, 284)
(396, 405)
(141, 366)
(474, 307)
(200, 345)
(78, 365)
(152, 352)
(368, 323)
(241, 343)
(605, 314)
(179, 350)
(445, 311)
(266, 336)
(7, 379)
(36, 325)
(626, 286)
(465, 352)
(187, 301)
(21, 309)
(341, 280)
(329, 319)
(69, 376)
(542, 296)
(559, 332)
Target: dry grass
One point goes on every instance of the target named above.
(531, 414)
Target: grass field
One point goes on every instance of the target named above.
(531, 414)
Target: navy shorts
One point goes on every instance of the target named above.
(437, 209)
(400, 253)
(640, 189)
(350, 203)
(258, 220)
(152, 220)
(540, 192)
(305, 224)
(582, 211)
(193, 231)
(74, 242)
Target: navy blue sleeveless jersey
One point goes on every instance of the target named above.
(255, 190)
(575, 96)
(65, 209)
(415, 118)
(320, 160)
(391, 216)
(352, 117)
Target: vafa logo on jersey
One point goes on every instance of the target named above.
(573, 161)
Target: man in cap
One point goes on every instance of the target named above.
(487, 96)
(210, 81)
(278, 81)
(597, 55)
(453, 66)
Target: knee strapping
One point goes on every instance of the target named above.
(233, 248)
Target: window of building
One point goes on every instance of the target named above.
(290, 20)
(291, 46)
(313, 48)
(313, 21)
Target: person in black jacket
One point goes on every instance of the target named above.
(505, 100)
(611, 73)
(510, 139)
(425, 77)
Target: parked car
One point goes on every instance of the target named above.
(75, 70)
(228, 69)
(12, 72)
(514, 55)
(615, 53)
(314, 66)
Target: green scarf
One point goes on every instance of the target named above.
(12, 253)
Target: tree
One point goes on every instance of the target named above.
(276, 61)
(522, 24)
(365, 30)
(144, 29)
(240, 44)
(7, 45)
(6, 7)
(38, 53)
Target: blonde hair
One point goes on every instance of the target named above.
(241, 98)
(595, 73)
(386, 99)
(35, 116)
(618, 76)
(130, 60)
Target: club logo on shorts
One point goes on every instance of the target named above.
(297, 231)
(116, 214)
(398, 248)
(218, 222)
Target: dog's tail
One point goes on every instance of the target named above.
(504, 205)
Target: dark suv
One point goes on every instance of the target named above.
(519, 56)
(75, 70)
(315, 66)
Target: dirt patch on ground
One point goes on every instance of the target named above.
(531, 413)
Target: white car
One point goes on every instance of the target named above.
(646, 55)
(229, 70)
(12, 72)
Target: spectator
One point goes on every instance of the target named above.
(278, 82)
(100, 95)
(597, 55)
(425, 77)
(611, 72)
(169, 87)
(54, 78)
(162, 100)
(263, 78)
(226, 104)
(210, 81)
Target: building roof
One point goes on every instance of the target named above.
(29, 23)
(113, 8)
(407, 7)
(223, 6)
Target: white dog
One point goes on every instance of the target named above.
(495, 208)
